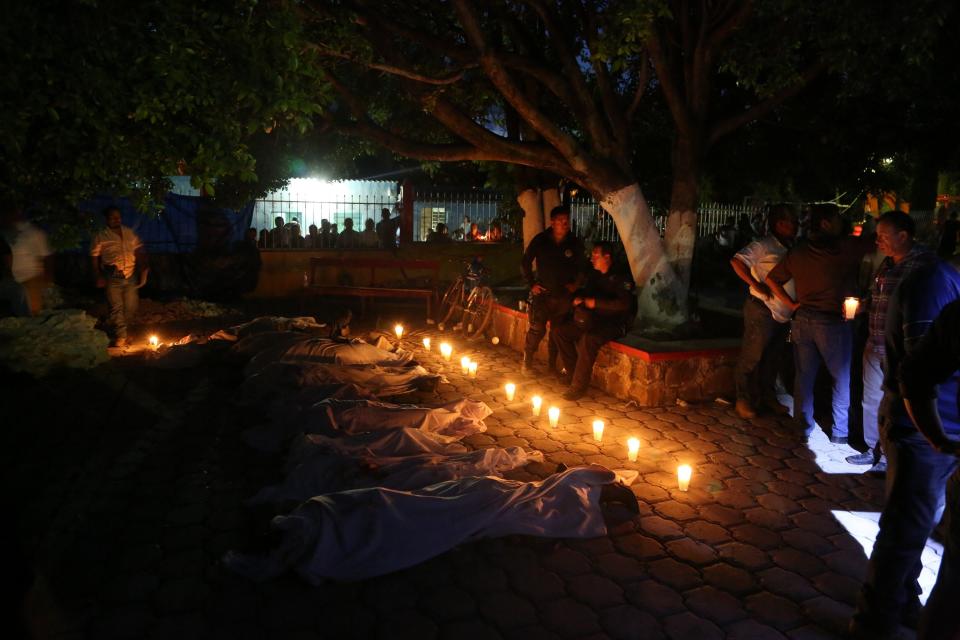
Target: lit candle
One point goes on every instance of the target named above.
(473, 369)
(399, 331)
(554, 413)
(465, 365)
(850, 306)
(446, 350)
(537, 403)
(154, 342)
(426, 344)
(684, 472)
(598, 430)
(511, 389)
(633, 448)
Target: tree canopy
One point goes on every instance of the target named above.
(108, 96)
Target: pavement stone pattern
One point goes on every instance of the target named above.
(129, 487)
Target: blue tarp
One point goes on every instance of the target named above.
(184, 224)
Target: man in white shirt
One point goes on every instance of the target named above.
(765, 318)
(30, 254)
(116, 254)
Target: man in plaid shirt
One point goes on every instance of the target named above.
(895, 231)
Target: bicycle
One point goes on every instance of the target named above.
(469, 296)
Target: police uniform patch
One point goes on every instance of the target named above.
(627, 286)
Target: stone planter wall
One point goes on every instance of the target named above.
(650, 379)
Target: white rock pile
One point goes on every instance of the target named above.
(52, 340)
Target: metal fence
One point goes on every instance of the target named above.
(284, 222)
(458, 211)
(591, 222)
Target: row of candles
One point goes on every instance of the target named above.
(469, 368)
(684, 471)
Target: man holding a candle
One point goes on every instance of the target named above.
(765, 317)
(602, 312)
(560, 267)
(824, 269)
(895, 230)
(917, 472)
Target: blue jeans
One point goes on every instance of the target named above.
(916, 477)
(122, 300)
(872, 395)
(940, 620)
(821, 338)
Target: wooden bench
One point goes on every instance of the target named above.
(374, 288)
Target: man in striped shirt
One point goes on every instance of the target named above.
(895, 231)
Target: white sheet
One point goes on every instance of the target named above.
(452, 421)
(331, 471)
(353, 535)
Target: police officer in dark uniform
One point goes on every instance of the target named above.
(603, 310)
(560, 266)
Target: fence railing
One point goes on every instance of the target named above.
(459, 211)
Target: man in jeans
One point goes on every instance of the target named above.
(928, 381)
(824, 270)
(895, 231)
(765, 317)
(917, 472)
(116, 254)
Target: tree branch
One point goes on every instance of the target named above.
(498, 75)
(608, 95)
(482, 144)
(666, 77)
(591, 117)
(727, 27)
(409, 74)
(643, 79)
(761, 109)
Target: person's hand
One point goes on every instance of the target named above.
(763, 290)
(537, 289)
(143, 279)
(571, 286)
(577, 301)
(590, 303)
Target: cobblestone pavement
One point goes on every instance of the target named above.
(128, 484)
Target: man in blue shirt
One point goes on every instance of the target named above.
(916, 472)
(928, 383)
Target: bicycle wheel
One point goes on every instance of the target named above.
(451, 301)
(477, 312)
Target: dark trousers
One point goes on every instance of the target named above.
(546, 308)
(940, 620)
(916, 480)
(820, 338)
(579, 349)
(761, 350)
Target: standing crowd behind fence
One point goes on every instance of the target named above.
(291, 222)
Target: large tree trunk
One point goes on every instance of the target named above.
(662, 300)
(532, 204)
(680, 235)
(551, 199)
